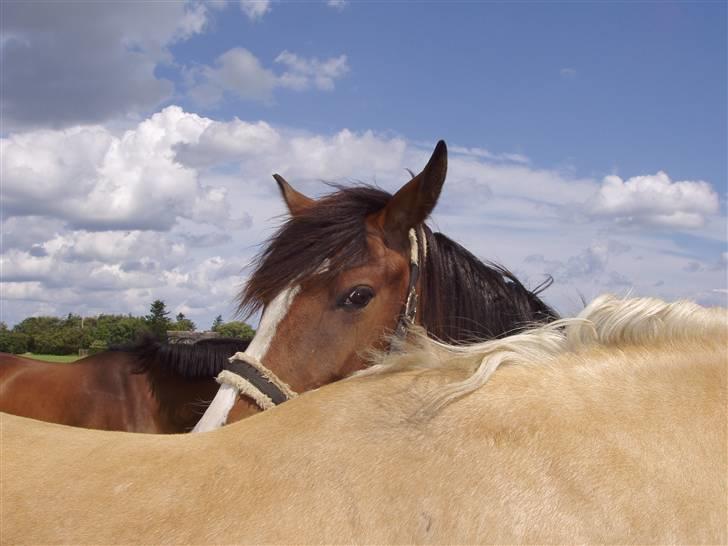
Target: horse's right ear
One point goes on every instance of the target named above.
(414, 201)
(296, 201)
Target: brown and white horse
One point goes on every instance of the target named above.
(347, 270)
(609, 429)
(151, 387)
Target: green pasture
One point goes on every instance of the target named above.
(52, 358)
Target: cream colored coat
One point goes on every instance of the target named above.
(596, 442)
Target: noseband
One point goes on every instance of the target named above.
(251, 378)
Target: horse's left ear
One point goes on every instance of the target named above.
(295, 200)
(414, 202)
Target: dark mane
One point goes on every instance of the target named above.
(333, 229)
(463, 298)
(468, 300)
(205, 358)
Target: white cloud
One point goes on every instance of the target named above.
(255, 9)
(486, 154)
(98, 221)
(568, 73)
(236, 71)
(655, 200)
(337, 4)
(305, 73)
(93, 179)
(240, 73)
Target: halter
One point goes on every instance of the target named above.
(251, 378)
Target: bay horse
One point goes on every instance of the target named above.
(345, 271)
(607, 428)
(149, 387)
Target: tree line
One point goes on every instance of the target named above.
(64, 336)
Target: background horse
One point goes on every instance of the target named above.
(611, 430)
(151, 387)
(347, 270)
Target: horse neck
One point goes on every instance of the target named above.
(181, 379)
(464, 299)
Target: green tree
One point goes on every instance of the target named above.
(13, 342)
(120, 329)
(236, 328)
(60, 341)
(34, 327)
(183, 323)
(217, 323)
(158, 319)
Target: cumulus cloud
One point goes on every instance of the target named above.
(337, 4)
(239, 72)
(84, 62)
(100, 221)
(93, 179)
(655, 200)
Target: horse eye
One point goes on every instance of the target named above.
(357, 298)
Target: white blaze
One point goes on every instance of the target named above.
(217, 413)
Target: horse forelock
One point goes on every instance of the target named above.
(608, 321)
(331, 232)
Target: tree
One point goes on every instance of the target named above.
(158, 319)
(34, 327)
(183, 323)
(217, 323)
(13, 342)
(237, 329)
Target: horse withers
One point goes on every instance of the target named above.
(348, 270)
(609, 428)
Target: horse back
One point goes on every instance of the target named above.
(95, 392)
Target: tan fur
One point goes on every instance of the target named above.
(620, 439)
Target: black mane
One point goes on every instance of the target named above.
(467, 300)
(463, 298)
(204, 358)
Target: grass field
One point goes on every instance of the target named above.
(52, 358)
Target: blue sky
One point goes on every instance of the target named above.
(588, 140)
(643, 87)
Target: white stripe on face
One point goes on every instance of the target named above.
(273, 315)
(217, 412)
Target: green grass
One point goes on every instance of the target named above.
(52, 358)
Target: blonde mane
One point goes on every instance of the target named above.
(608, 321)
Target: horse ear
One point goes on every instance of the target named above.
(296, 201)
(414, 202)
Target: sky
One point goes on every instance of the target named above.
(587, 141)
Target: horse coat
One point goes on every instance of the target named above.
(606, 429)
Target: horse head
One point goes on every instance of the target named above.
(343, 273)
(333, 282)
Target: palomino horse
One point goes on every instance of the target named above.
(151, 387)
(348, 269)
(609, 428)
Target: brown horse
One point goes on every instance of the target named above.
(151, 387)
(346, 271)
(608, 429)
